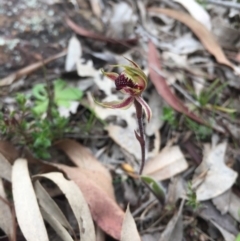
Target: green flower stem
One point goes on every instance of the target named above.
(140, 137)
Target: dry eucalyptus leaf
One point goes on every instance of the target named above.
(156, 104)
(25, 202)
(234, 206)
(105, 211)
(208, 212)
(197, 11)
(176, 190)
(77, 203)
(74, 52)
(168, 163)
(84, 159)
(57, 226)
(174, 229)
(222, 201)
(129, 229)
(6, 168)
(213, 175)
(126, 139)
(227, 235)
(96, 7)
(200, 31)
(48, 205)
(6, 218)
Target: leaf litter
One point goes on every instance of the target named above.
(177, 50)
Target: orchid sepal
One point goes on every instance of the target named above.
(110, 75)
(122, 104)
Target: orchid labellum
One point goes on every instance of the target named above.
(132, 82)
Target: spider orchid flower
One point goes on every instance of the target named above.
(132, 82)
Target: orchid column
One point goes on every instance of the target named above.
(132, 82)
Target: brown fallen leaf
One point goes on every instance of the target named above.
(129, 230)
(162, 87)
(105, 211)
(8, 151)
(82, 157)
(86, 33)
(29, 69)
(25, 203)
(204, 35)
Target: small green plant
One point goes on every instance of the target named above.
(202, 132)
(212, 92)
(33, 129)
(192, 197)
(169, 116)
(62, 96)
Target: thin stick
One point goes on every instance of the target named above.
(140, 136)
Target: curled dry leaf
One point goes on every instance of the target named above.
(29, 69)
(77, 203)
(6, 168)
(105, 211)
(200, 31)
(6, 218)
(89, 165)
(169, 162)
(25, 202)
(129, 230)
(162, 87)
(59, 229)
(197, 11)
(213, 177)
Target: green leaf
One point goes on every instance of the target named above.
(238, 237)
(155, 186)
(40, 107)
(39, 92)
(42, 141)
(63, 95)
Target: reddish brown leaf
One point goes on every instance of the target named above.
(105, 211)
(162, 87)
(86, 33)
(204, 35)
(83, 158)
